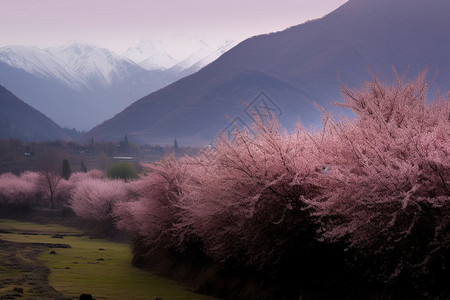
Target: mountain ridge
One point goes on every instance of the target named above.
(80, 85)
(177, 52)
(294, 67)
(19, 120)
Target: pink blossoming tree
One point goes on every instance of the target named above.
(388, 190)
(378, 184)
(21, 190)
(93, 198)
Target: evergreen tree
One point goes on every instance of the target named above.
(124, 145)
(66, 171)
(83, 167)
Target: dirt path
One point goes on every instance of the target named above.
(22, 276)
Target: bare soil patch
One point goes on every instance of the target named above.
(22, 276)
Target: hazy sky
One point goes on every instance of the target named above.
(119, 24)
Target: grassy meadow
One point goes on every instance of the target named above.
(94, 266)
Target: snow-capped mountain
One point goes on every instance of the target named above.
(78, 66)
(82, 66)
(97, 66)
(177, 52)
(77, 85)
(43, 64)
(153, 54)
(202, 57)
(80, 85)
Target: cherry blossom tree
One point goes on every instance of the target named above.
(95, 198)
(49, 181)
(377, 185)
(387, 193)
(30, 187)
(154, 212)
(244, 198)
(21, 190)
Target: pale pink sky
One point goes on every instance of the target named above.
(119, 24)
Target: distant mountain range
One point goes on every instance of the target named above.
(80, 85)
(19, 120)
(288, 70)
(177, 53)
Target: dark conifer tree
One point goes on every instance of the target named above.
(66, 171)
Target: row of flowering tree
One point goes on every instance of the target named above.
(88, 194)
(377, 185)
(34, 189)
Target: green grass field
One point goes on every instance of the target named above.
(98, 267)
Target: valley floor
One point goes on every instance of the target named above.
(56, 262)
(22, 275)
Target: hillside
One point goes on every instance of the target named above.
(18, 120)
(294, 68)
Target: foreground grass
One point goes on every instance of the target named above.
(98, 267)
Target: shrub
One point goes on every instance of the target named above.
(122, 170)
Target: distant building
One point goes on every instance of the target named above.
(123, 157)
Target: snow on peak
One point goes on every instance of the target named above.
(81, 66)
(168, 51)
(77, 65)
(41, 63)
(98, 66)
(203, 57)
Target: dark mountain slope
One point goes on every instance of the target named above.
(18, 120)
(294, 68)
